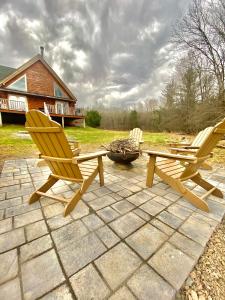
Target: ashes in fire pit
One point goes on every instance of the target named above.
(123, 151)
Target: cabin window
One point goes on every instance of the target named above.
(18, 103)
(57, 91)
(19, 85)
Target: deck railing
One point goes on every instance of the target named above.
(15, 105)
(12, 105)
(52, 109)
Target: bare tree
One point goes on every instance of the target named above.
(203, 31)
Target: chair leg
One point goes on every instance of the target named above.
(184, 191)
(206, 185)
(72, 203)
(196, 201)
(150, 171)
(44, 188)
(101, 170)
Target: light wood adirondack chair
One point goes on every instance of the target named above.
(190, 148)
(55, 150)
(136, 135)
(168, 167)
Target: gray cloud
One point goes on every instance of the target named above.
(113, 52)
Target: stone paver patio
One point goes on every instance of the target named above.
(122, 241)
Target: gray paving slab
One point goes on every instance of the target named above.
(41, 275)
(146, 284)
(146, 240)
(87, 284)
(81, 252)
(172, 264)
(117, 265)
(126, 224)
(60, 293)
(9, 265)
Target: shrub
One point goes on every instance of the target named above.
(93, 118)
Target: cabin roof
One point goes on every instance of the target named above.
(5, 71)
(13, 72)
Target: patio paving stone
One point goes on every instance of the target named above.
(146, 240)
(81, 252)
(69, 234)
(11, 239)
(139, 198)
(27, 218)
(35, 247)
(107, 236)
(9, 265)
(123, 206)
(146, 284)
(5, 225)
(142, 214)
(40, 275)
(102, 202)
(93, 222)
(170, 219)
(152, 207)
(11, 290)
(60, 293)
(117, 264)
(10, 202)
(21, 209)
(53, 210)
(179, 211)
(172, 264)
(163, 227)
(36, 230)
(186, 245)
(126, 224)
(107, 214)
(197, 230)
(88, 285)
(122, 294)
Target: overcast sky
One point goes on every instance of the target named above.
(116, 52)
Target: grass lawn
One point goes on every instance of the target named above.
(12, 146)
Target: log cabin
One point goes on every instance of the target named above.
(35, 85)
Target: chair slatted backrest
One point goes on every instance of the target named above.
(51, 141)
(201, 136)
(214, 136)
(136, 135)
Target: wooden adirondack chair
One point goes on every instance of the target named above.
(168, 167)
(190, 148)
(55, 150)
(136, 135)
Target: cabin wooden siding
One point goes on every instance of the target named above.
(39, 80)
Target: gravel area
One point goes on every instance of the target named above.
(207, 280)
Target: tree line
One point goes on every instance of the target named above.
(194, 97)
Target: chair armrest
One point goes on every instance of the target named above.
(84, 157)
(170, 155)
(184, 150)
(179, 144)
(141, 142)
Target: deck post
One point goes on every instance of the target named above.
(84, 125)
(0, 119)
(62, 122)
